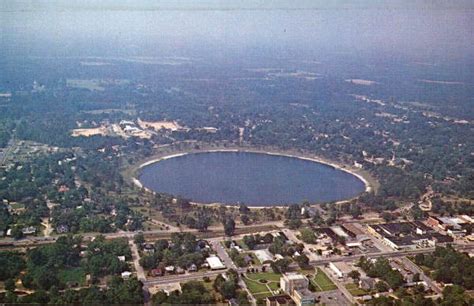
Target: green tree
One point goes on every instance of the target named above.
(139, 239)
(148, 262)
(17, 233)
(159, 298)
(355, 275)
(10, 285)
(12, 264)
(245, 219)
(381, 286)
(302, 261)
(307, 236)
(294, 224)
(228, 289)
(416, 277)
(249, 240)
(229, 226)
(281, 265)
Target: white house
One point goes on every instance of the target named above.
(126, 274)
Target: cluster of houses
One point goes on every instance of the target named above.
(17, 208)
(213, 262)
(341, 270)
(27, 230)
(261, 249)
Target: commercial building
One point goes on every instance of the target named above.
(296, 285)
(215, 263)
(339, 232)
(264, 256)
(340, 269)
(352, 230)
(279, 300)
(293, 281)
(454, 226)
(408, 235)
(303, 297)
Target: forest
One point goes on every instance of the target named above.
(54, 271)
(449, 266)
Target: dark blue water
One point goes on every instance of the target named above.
(251, 178)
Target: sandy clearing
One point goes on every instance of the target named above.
(158, 125)
(102, 130)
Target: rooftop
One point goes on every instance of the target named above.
(342, 266)
(294, 276)
(215, 262)
(282, 299)
(409, 233)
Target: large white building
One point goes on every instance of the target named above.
(296, 285)
(340, 269)
(264, 256)
(215, 263)
(293, 281)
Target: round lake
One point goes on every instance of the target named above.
(255, 179)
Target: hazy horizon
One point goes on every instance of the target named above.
(420, 31)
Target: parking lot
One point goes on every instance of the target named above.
(334, 297)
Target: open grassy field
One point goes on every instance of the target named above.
(355, 290)
(17, 206)
(269, 276)
(260, 289)
(262, 295)
(255, 286)
(322, 282)
(242, 244)
(76, 275)
(85, 84)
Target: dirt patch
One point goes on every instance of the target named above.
(158, 125)
(102, 130)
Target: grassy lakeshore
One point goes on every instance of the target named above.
(132, 172)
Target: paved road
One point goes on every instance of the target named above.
(121, 234)
(229, 263)
(377, 242)
(181, 277)
(136, 261)
(291, 236)
(340, 286)
(333, 298)
(415, 269)
(226, 259)
(199, 275)
(385, 254)
(219, 249)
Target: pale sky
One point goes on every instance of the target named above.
(414, 28)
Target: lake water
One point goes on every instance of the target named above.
(252, 178)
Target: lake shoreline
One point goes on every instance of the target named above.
(308, 157)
